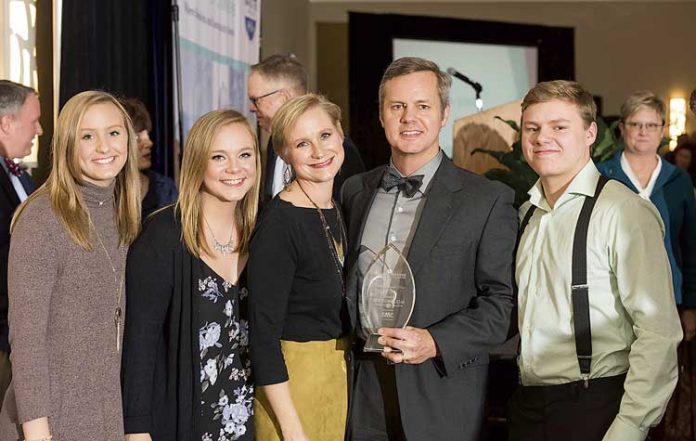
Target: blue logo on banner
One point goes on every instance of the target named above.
(250, 27)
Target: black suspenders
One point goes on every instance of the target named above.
(579, 289)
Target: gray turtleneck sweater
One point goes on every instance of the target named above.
(65, 365)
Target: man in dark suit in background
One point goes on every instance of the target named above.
(271, 83)
(19, 124)
(458, 232)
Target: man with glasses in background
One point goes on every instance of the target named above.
(670, 189)
(271, 83)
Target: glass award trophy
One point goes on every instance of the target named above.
(388, 295)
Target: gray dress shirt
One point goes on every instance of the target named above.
(393, 218)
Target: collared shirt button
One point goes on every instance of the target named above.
(400, 209)
(392, 238)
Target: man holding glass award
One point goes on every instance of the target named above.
(429, 283)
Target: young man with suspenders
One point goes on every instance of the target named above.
(597, 319)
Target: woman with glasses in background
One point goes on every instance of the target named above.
(640, 167)
(670, 189)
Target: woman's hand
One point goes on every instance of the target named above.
(138, 437)
(284, 409)
(36, 429)
(688, 319)
(296, 436)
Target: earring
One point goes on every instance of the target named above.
(288, 175)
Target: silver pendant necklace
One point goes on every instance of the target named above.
(223, 248)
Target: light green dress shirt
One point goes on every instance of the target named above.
(634, 320)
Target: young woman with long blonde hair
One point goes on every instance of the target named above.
(186, 374)
(66, 280)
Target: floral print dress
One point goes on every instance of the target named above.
(227, 394)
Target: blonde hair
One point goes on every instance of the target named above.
(288, 114)
(568, 91)
(642, 98)
(62, 185)
(197, 151)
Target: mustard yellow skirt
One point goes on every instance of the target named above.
(318, 383)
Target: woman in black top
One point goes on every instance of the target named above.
(186, 373)
(297, 311)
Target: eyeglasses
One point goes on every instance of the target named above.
(255, 99)
(649, 127)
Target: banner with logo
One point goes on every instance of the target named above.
(219, 41)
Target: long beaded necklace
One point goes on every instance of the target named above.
(118, 312)
(337, 247)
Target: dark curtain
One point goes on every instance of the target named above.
(123, 47)
(162, 94)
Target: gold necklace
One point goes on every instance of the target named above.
(118, 312)
(336, 247)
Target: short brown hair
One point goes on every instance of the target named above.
(408, 65)
(569, 91)
(292, 110)
(283, 67)
(642, 98)
(138, 113)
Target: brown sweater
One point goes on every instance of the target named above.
(62, 333)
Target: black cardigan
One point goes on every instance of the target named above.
(159, 371)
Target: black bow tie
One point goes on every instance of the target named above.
(409, 185)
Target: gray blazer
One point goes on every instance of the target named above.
(462, 261)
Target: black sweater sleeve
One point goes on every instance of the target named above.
(271, 270)
(149, 286)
